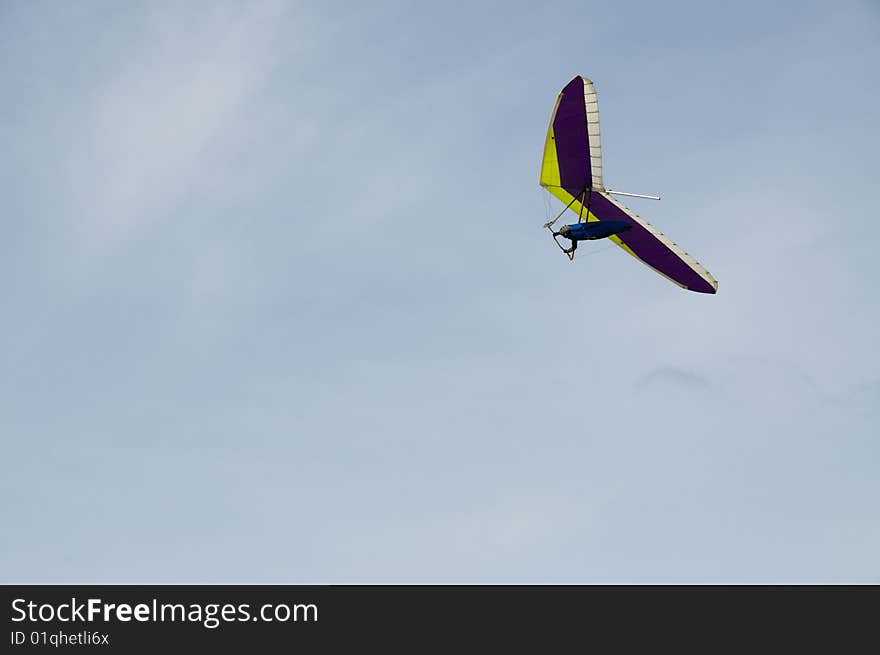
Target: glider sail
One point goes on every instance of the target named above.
(572, 171)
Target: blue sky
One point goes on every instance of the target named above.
(278, 306)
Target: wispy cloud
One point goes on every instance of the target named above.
(146, 130)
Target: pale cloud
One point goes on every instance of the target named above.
(145, 131)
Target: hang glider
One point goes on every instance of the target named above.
(572, 172)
